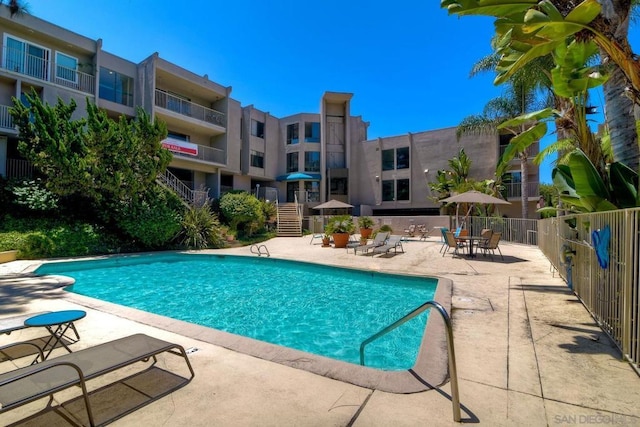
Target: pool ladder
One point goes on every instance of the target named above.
(455, 395)
(258, 250)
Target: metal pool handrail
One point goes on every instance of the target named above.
(258, 250)
(453, 373)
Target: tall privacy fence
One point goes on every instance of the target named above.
(603, 272)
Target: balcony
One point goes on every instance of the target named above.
(17, 61)
(188, 151)
(514, 190)
(189, 109)
(6, 121)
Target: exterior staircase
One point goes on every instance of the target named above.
(289, 220)
(188, 196)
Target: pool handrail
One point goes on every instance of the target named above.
(455, 395)
(258, 250)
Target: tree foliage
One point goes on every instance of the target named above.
(242, 211)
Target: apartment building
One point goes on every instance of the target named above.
(219, 145)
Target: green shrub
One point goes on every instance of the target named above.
(201, 229)
(33, 195)
(242, 211)
(36, 245)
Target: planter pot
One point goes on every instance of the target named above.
(365, 233)
(325, 242)
(340, 240)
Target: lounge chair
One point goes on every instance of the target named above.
(451, 243)
(14, 323)
(393, 242)
(379, 240)
(491, 245)
(31, 383)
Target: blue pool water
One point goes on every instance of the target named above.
(318, 309)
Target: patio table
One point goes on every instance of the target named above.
(471, 240)
(57, 323)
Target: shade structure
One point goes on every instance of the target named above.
(333, 204)
(299, 176)
(475, 197)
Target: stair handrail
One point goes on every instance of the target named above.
(192, 197)
(453, 373)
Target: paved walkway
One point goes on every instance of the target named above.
(528, 354)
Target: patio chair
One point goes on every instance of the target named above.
(443, 231)
(353, 242)
(491, 245)
(451, 243)
(379, 240)
(30, 383)
(14, 323)
(410, 231)
(393, 242)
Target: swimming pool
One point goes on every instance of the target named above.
(318, 309)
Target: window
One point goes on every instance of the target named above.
(402, 189)
(395, 158)
(387, 160)
(26, 58)
(292, 162)
(312, 132)
(178, 103)
(116, 87)
(312, 161)
(339, 186)
(257, 128)
(505, 140)
(313, 191)
(66, 67)
(393, 190)
(178, 136)
(402, 158)
(388, 191)
(292, 134)
(257, 159)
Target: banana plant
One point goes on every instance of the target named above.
(582, 189)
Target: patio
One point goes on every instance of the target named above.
(528, 353)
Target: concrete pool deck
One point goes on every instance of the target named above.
(528, 353)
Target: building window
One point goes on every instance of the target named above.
(388, 160)
(292, 134)
(339, 186)
(313, 191)
(257, 128)
(257, 159)
(116, 87)
(66, 67)
(395, 158)
(312, 161)
(403, 190)
(178, 136)
(402, 158)
(292, 162)
(312, 132)
(393, 190)
(26, 58)
(505, 140)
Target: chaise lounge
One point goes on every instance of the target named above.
(393, 242)
(31, 383)
(379, 240)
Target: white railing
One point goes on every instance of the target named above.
(516, 230)
(205, 153)
(6, 121)
(18, 61)
(190, 109)
(19, 168)
(514, 189)
(191, 197)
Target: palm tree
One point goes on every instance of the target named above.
(16, 7)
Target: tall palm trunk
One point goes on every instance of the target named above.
(621, 120)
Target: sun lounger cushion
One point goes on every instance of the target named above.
(32, 382)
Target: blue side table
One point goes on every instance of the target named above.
(57, 323)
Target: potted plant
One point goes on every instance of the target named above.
(365, 223)
(326, 239)
(340, 227)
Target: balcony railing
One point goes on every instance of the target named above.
(18, 61)
(19, 168)
(514, 189)
(6, 121)
(207, 154)
(189, 109)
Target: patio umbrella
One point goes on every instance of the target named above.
(474, 197)
(333, 204)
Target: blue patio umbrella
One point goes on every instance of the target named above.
(298, 176)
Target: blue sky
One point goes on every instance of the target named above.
(407, 66)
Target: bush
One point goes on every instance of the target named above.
(37, 245)
(33, 195)
(201, 229)
(242, 211)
